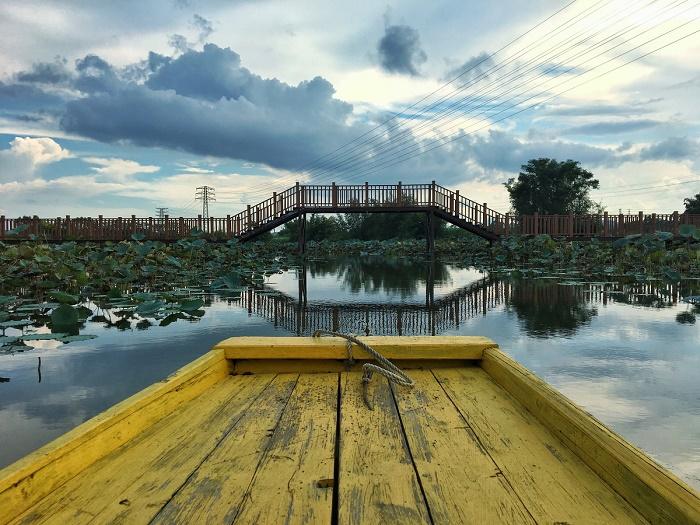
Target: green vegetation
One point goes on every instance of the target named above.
(137, 284)
(64, 285)
(547, 186)
(692, 204)
(367, 226)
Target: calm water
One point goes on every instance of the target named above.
(621, 352)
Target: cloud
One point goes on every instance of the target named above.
(205, 102)
(584, 110)
(26, 154)
(42, 150)
(672, 148)
(204, 26)
(46, 73)
(400, 50)
(181, 44)
(474, 68)
(606, 128)
(118, 168)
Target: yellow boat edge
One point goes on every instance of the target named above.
(655, 492)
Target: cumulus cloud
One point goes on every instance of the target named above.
(400, 50)
(118, 168)
(205, 102)
(42, 150)
(26, 155)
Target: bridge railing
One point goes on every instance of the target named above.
(339, 198)
(603, 225)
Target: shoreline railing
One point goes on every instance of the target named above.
(333, 198)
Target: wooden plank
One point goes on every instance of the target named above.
(294, 482)
(30, 479)
(552, 482)
(215, 490)
(153, 465)
(377, 481)
(461, 482)
(442, 347)
(314, 366)
(649, 487)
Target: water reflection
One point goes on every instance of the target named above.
(628, 353)
(545, 309)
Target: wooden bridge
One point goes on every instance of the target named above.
(296, 202)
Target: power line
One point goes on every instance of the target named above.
(415, 146)
(426, 97)
(161, 212)
(394, 159)
(406, 156)
(206, 194)
(391, 144)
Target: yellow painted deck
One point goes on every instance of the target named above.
(275, 430)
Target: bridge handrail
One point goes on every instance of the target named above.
(275, 210)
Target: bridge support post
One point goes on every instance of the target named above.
(302, 234)
(676, 227)
(430, 232)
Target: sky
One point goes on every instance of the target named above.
(119, 108)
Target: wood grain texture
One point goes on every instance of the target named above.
(144, 473)
(30, 479)
(314, 366)
(215, 491)
(377, 481)
(293, 483)
(553, 483)
(441, 347)
(649, 487)
(462, 484)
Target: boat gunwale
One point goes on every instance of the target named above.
(15, 495)
(661, 495)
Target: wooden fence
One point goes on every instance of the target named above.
(432, 199)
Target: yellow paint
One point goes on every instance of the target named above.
(301, 453)
(553, 483)
(30, 479)
(454, 468)
(377, 482)
(217, 489)
(443, 347)
(652, 489)
(315, 366)
(470, 443)
(124, 485)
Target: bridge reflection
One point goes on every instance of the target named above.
(302, 317)
(543, 308)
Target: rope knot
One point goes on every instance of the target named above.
(385, 367)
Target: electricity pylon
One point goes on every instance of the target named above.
(161, 213)
(206, 194)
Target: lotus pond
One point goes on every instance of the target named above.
(83, 327)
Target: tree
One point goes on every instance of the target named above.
(692, 204)
(547, 186)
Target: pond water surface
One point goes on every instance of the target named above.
(629, 354)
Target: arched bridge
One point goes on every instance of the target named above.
(434, 200)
